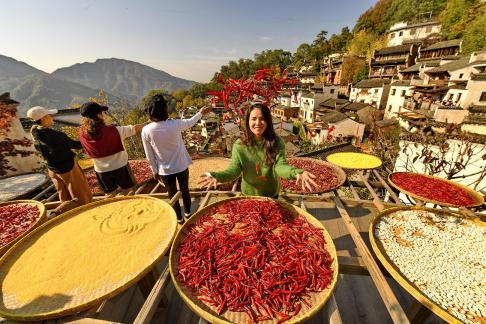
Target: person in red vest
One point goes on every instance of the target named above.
(104, 144)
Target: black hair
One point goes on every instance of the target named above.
(156, 107)
(269, 137)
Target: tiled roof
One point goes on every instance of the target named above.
(331, 102)
(394, 49)
(401, 83)
(478, 77)
(413, 68)
(329, 115)
(452, 66)
(371, 83)
(444, 44)
(355, 106)
(416, 25)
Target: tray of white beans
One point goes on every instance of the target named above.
(438, 256)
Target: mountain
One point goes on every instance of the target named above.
(32, 87)
(127, 79)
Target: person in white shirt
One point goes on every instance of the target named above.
(165, 149)
(104, 144)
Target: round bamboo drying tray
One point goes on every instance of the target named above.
(41, 217)
(395, 271)
(477, 197)
(318, 300)
(336, 170)
(342, 159)
(210, 164)
(112, 250)
(16, 186)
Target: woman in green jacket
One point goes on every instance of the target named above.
(259, 157)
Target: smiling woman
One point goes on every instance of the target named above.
(259, 157)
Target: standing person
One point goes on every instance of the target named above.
(104, 144)
(260, 158)
(56, 149)
(165, 149)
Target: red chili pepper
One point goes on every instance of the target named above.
(15, 220)
(254, 256)
(432, 189)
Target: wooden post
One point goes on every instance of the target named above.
(376, 200)
(391, 303)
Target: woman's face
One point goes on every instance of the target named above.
(257, 123)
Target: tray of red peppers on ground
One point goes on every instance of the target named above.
(328, 176)
(141, 172)
(17, 218)
(253, 259)
(435, 190)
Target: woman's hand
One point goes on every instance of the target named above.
(207, 181)
(306, 180)
(205, 110)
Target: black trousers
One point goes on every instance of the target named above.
(170, 182)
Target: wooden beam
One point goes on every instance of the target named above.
(43, 192)
(153, 300)
(352, 266)
(391, 303)
(332, 311)
(387, 187)
(353, 191)
(417, 312)
(376, 200)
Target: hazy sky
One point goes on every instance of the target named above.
(189, 39)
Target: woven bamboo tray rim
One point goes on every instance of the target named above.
(338, 171)
(395, 272)
(364, 154)
(94, 301)
(208, 313)
(41, 217)
(477, 197)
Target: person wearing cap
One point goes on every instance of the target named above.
(63, 169)
(104, 144)
(165, 149)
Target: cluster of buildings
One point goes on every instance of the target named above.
(416, 81)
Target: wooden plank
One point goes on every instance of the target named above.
(157, 186)
(376, 200)
(176, 197)
(387, 187)
(148, 282)
(153, 299)
(140, 189)
(393, 306)
(332, 311)
(352, 266)
(353, 191)
(43, 192)
(417, 312)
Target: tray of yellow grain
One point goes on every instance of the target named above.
(17, 218)
(231, 262)
(437, 256)
(354, 161)
(201, 166)
(84, 256)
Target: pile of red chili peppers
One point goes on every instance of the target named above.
(264, 86)
(254, 256)
(15, 220)
(326, 178)
(432, 189)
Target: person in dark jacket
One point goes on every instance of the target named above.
(63, 169)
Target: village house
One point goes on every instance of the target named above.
(333, 103)
(291, 99)
(437, 50)
(337, 69)
(399, 91)
(308, 77)
(332, 125)
(308, 102)
(371, 91)
(284, 112)
(388, 61)
(403, 33)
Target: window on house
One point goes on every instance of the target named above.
(459, 95)
(332, 90)
(400, 33)
(389, 107)
(392, 35)
(393, 92)
(413, 31)
(403, 93)
(451, 96)
(461, 75)
(483, 97)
